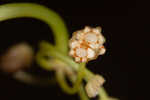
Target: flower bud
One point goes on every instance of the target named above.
(93, 86)
(16, 57)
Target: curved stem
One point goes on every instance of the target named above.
(61, 79)
(42, 62)
(17, 10)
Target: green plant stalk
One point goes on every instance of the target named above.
(60, 76)
(17, 10)
(61, 79)
(82, 93)
(42, 62)
(103, 95)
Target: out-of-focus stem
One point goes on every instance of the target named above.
(76, 85)
(18, 10)
(103, 95)
(82, 93)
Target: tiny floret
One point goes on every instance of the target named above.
(87, 44)
(93, 86)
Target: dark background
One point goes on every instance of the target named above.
(124, 22)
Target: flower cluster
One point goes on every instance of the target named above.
(87, 44)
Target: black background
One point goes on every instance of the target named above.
(124, 22)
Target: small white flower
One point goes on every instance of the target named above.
(93, 86)
(87, 44)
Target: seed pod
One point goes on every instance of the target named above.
(93, 86)
(87, 44)
(16, 57)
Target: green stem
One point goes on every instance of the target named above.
(42, 62)
(82, 93)
(61, 79)
(103, 95)
(17, 10)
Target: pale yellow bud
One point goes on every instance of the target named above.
(93, 85)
